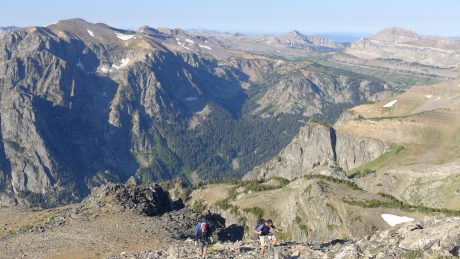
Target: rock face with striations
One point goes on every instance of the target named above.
(317, 146)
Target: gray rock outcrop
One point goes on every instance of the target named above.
(147, 200)
(318, 147)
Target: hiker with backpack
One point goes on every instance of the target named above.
(202, 236)
(263, 230)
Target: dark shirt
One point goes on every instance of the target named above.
(265, 230)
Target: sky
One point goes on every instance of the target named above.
(428, 17)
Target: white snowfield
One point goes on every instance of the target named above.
(124, 36)
(428, 96)
(204, 46)
(394, 220)
(122, 62)
(388, 105)
(190, 41)
(90, 33)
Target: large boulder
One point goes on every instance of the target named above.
(148, 200)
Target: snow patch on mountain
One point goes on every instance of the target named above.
(124, 36)
(390, 104)
(190, 41)
(105, 69)
(204, 46)
(394, 220)
(124, 62)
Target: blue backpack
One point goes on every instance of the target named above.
(260, 224)
(197, 232)
(197, 229)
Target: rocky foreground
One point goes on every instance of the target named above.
(435, 237)
(128, 221)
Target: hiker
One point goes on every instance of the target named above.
(202, 235)
(263, 230)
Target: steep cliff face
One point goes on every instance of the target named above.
(352, 152)
(318, 147)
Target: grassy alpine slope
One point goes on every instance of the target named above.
(312, 208)
(422, 129)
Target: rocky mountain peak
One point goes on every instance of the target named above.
(173, 32)
(148, 30)
(90, 32)
(296, 34)
(297, 40)
(395, 34)
(313, 40)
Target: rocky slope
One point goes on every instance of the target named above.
(314, 91)
(103, 227)
(316, 208)
(424, 239)
(112, 219)
(83, 104)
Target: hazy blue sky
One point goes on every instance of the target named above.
(440, 17)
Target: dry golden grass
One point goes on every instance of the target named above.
(425, 120)
(211, 193)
